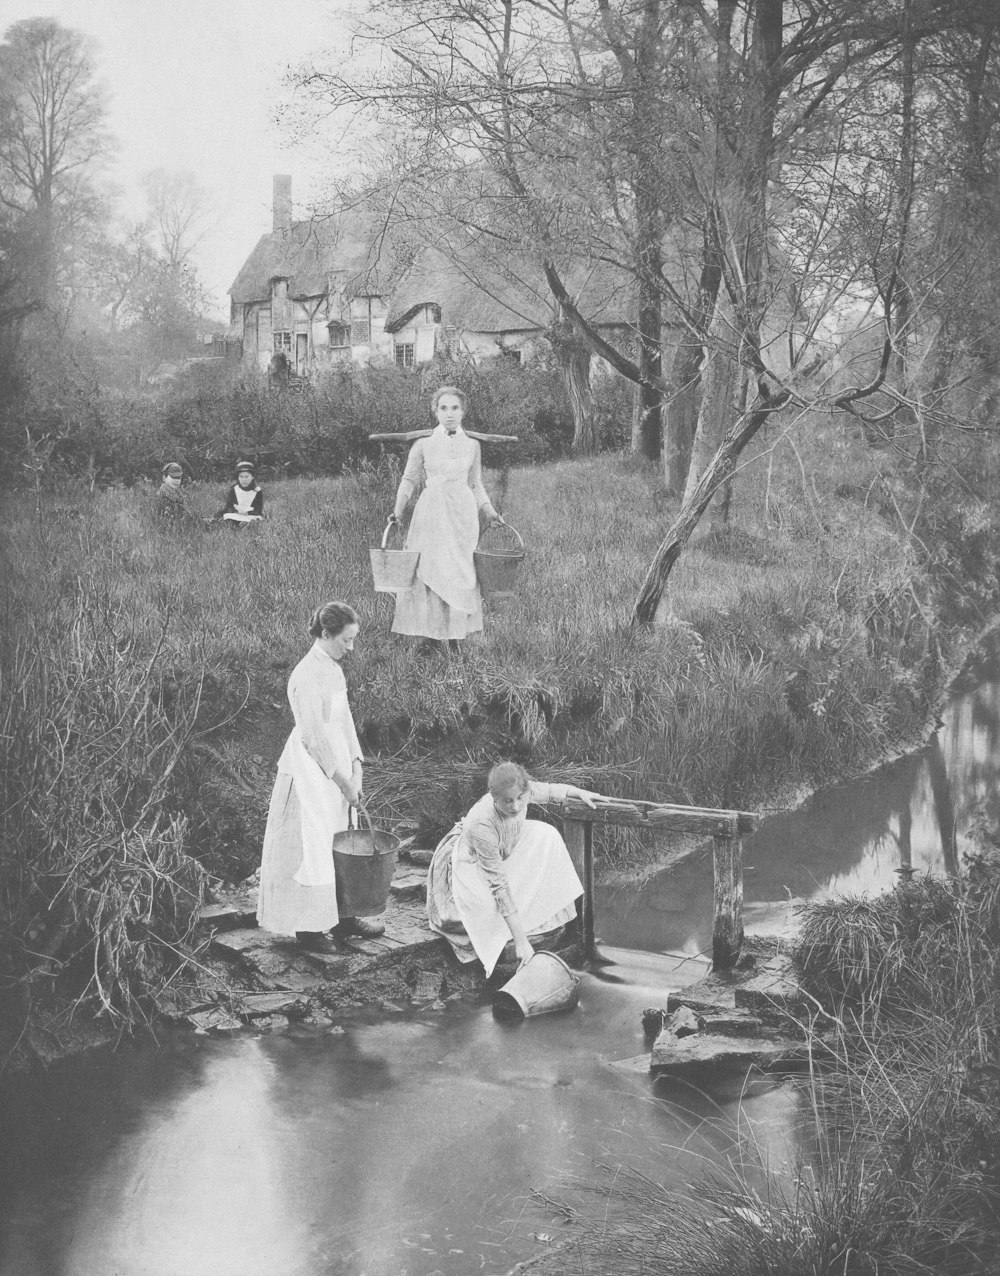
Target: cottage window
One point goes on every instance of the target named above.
(361, 332)
(511, 356)
(339, 334)
(283, 343)
(405, 353)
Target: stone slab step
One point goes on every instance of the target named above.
(255, 1004)
(683, 1056)
(710, 1001)
(771, 993)
(731, 1025)
(230, 915)
(409, 883)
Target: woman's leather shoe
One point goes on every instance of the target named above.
(357, 928)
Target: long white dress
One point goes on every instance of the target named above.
(488, 867)
(298, 888)
(445, 601)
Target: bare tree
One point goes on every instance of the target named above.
(51, 130)
(179, 213)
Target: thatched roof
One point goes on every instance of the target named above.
(352, 252)
(478, 295)
(346, 250)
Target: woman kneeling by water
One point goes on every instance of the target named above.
(498, 876)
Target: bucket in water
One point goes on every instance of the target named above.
(498, 569)
(393, 570)
(543, 984)
(364, 863)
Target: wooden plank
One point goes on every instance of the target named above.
(663, 818)
(727, 929)
(411, 436)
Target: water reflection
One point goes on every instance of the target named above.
(410, 1145)
(911, 815)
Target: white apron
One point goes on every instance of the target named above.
(543, 884)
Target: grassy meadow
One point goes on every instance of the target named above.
(144, 667)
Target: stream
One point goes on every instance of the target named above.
(445, 1143)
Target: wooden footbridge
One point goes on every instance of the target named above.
(726, 828)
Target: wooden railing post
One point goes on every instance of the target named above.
(726, 829)
(579, 838)
(727, 929)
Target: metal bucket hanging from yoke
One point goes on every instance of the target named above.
(364, 864)
(393, 570)
(498, 569)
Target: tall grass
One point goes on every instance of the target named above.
(95, 878)
(769, 679)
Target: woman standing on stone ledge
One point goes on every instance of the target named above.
(319, 780)
(445, 603)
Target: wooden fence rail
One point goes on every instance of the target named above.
(726, 828)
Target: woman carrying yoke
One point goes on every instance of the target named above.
(445, 603)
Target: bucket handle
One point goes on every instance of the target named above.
(371, 832)
(393, 522)
(510, 528)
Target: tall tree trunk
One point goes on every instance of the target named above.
(681, 415)
(742, 431)
(575, 362)
(717, 379)
(647, 423)
(904, 315)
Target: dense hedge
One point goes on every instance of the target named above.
(215, 412)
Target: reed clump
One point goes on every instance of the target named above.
(96, 882)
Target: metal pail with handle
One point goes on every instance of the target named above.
(543, 984)
(393, 570)
(497, 569)
(364, 863)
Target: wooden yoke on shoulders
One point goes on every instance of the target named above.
(411, 436)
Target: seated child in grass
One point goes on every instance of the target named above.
(245, 499)
(170, 500)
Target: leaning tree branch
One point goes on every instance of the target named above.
(715, 475)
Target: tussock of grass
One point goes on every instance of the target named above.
(95, 872)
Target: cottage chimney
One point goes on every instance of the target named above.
(282, 203)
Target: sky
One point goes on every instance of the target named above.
(194, 85)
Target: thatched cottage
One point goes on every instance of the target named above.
(340, 287)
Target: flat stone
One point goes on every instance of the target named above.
(734, 1025)
(417, 856)
(231, 914)
(411, 885)
(271, 1023)
(680, 1056)
(711, 1000)
(771, 993)
(234, 944)
(218, 1019)
(255, 1004)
